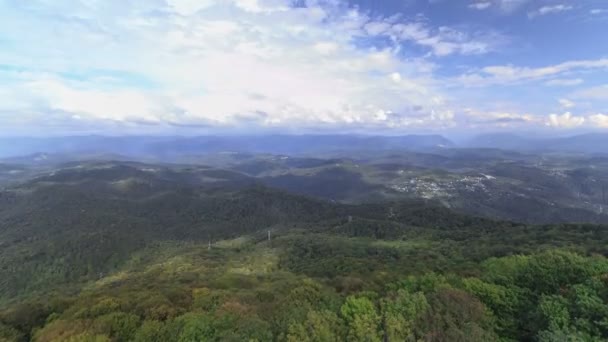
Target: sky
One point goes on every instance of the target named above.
(302, 66)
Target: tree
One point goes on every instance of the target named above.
(505, 303)
(554, 312)
(119, 325)
(195, 327)
(324, 326)
(153, 331)
(455, 316)
(399, 312)
(362, 319)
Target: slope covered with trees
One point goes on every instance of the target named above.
(122, 252)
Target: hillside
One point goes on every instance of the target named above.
(114, 251)
(95, 215)
(492, 183)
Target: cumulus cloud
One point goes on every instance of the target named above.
(253, 64)
(566, 120)
(599, 120)
(225, 62)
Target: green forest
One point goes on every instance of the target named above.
(153, 260)
(424, 285)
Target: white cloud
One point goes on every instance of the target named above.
(446, 41)
(262, 63)
(476, 118)
(598, 11)
(326, 48)
(504, 6)
(376, 28)
(509, 6)
(189, 7)
(228, 62)
(599, 120)
(506, 74)
(566, 120)
(599, 93)
(565, 82)
(262, 6)
(565, 103)
(480, 5)
(550, 10)
(396, 77)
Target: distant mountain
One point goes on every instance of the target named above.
(130, 145)
(162, 147)
(506, 141)
(586, 143)
(591, 143)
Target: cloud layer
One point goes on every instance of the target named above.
(258, 64)
(226, 63)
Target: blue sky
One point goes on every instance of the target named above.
(393, 66)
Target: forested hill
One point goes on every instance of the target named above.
(78, 223)
(133, 252)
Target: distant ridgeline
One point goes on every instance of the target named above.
(147, 146)
(135, 252)
(176, 146)
(503, 185)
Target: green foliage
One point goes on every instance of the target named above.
(504, 302)
(148, 302)
(153, 331)
(400, 311)
(135, 266)
(548, 272)
(454, 315)
(361, 318)
(554, 311)
(87, 337)
(195, 327)
(9, 334)
(118, 325)
(324, 326)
